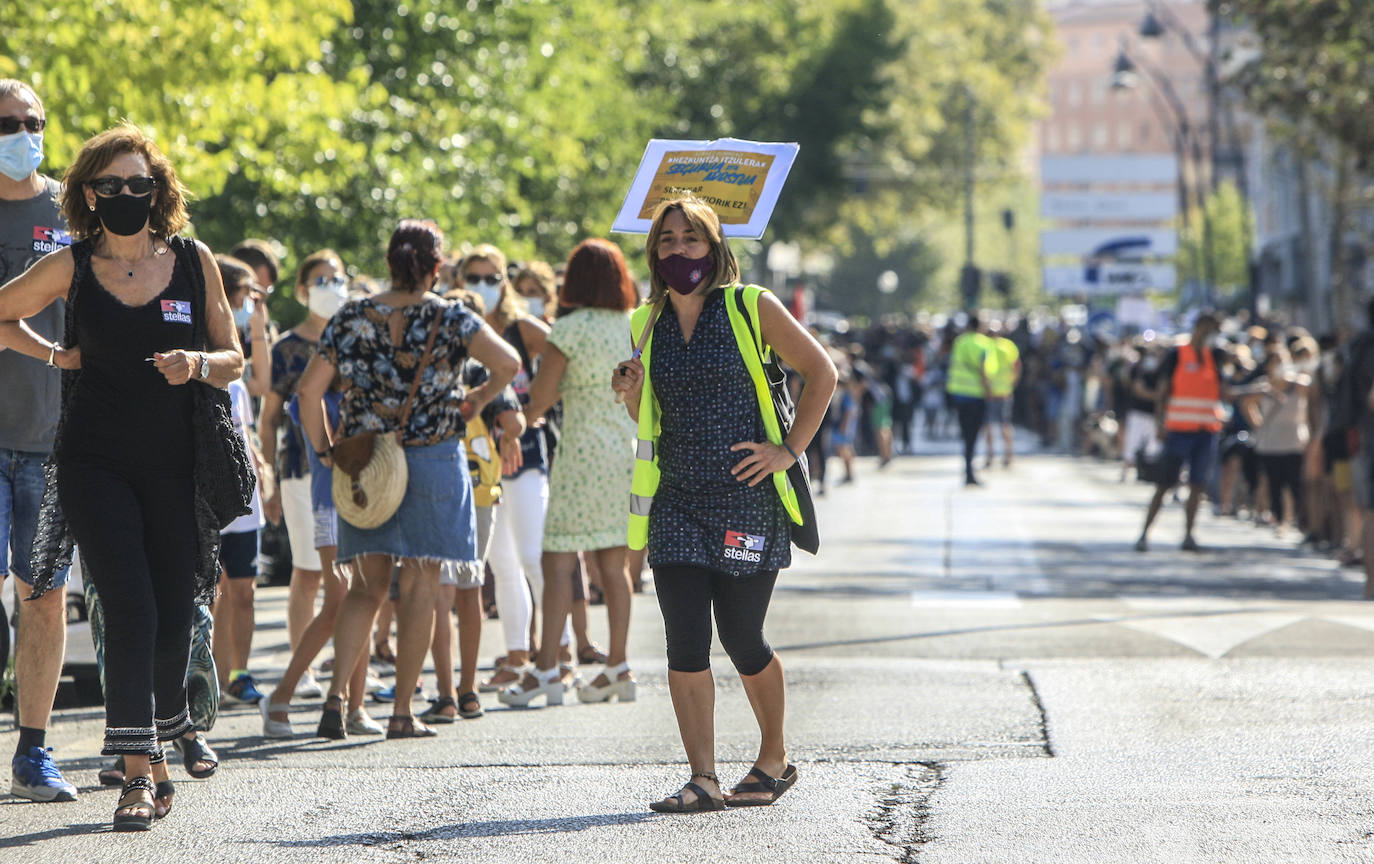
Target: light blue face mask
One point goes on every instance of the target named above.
(536, 305)
(244, 313)
(21, 154)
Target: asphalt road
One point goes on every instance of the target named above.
(984, 675)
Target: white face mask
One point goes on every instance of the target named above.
(490, 294)
(536, 305)
(326, 297)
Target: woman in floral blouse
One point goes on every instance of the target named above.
(376, 345)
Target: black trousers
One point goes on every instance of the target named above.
(137, 534)
(1284, 471)
(972, 414)
(687, 595)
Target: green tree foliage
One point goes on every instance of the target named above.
(1228, 213)
(1313, 64)
(521, 122)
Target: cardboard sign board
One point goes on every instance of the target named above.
(741, 180)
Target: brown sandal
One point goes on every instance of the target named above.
(408, 727)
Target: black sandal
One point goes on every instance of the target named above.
(131, 816)
(469, 706)
(162, 798)
(703, 803)
(331, 720)
(761, 782)
(114, 775)
(196, 750)
(435, 712)
(408, 727)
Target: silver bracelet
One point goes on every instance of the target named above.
(52, 352)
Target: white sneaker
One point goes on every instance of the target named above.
(308, 687)
(361, 723)
(372, 684)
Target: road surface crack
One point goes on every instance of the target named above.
(904, 808)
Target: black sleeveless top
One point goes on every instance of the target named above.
(123, 412)
(702, 516)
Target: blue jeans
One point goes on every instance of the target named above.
(21, 497)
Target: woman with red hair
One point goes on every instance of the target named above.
(590, 481)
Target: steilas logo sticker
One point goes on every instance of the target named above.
(743, 547)
(176, 311)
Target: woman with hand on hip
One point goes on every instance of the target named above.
(710, 497)
(147, 321)
(378, 345)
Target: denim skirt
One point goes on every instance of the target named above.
(436, 521)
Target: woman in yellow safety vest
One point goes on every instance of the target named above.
(710, 495)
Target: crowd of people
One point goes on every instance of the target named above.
(155, 422)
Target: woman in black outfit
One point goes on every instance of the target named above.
(718, 530)
(147, 321)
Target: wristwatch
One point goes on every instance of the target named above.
(204, 367)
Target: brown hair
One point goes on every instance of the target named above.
(313, 260)
(168, 215)
(258, 253)
(596, 277)
(416, 250)
(706, 223)
(542, 275)
(235, 274)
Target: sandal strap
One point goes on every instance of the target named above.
(702, 794)
(614, 672)
(547, 676)
(135, 783)
(764, 780)
(444, 702)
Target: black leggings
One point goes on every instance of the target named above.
(686, 596)
(137, 534)
(972, 414)
(1284, 470)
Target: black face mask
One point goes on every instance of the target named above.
(124, 215)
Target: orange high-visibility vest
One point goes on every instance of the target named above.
(1195, 398)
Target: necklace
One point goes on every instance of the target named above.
(153, 250)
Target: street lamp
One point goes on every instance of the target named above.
(1125, 75)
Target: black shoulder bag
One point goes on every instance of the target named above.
(804, 536)
(224, 476)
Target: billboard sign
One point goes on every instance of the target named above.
(1078, 206)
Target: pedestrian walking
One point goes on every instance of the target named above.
(1004, 379)
(147, 320)
(591, 474)
(31, 226)
(972, 364)
(400, 355)
(1283, 436)
(710, 496)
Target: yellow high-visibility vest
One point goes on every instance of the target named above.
(1004, 380)
(970, 351)
(647, 475)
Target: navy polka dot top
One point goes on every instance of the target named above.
(702, 516)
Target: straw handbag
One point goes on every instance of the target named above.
(370, 473)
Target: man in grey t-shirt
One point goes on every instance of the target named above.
(31, 226)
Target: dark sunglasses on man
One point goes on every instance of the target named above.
(108, 187)
(491, 280)
(11, 125)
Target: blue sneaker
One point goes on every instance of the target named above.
(243, 690)
(35, 777)
(388, 694)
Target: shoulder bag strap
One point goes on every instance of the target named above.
(420, 370)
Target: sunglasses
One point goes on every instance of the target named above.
(491, 280)
(108, 187)
(331, 282)
(11, 125)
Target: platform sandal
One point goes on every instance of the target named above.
(135, 815)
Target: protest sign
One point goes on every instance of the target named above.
(741, 180)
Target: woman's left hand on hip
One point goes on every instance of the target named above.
(763, 460)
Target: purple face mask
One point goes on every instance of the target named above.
(683, 274)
